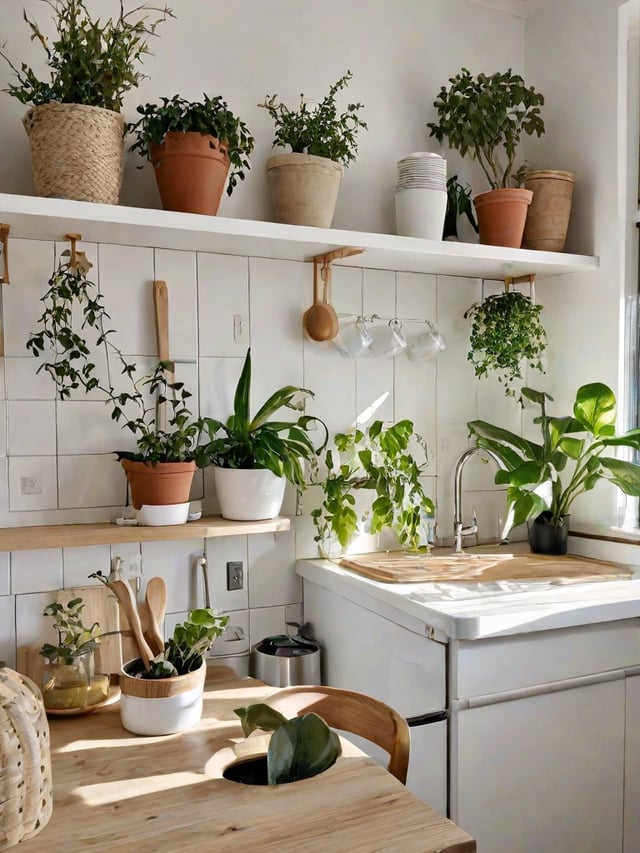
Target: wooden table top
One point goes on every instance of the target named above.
(119, 792)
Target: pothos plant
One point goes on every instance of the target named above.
(68, 360)
(74, 639)
(91, 61)
(506, 333)
(377, 459)
(184, 651)
(320, 131)
(485, 116)
(298, 748)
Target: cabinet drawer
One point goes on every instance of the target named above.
(484, 667)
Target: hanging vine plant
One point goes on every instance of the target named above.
(506, 334)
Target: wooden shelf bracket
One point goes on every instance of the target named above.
(4, 251)
(521, 279)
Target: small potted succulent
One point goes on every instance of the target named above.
(196, 147)
(75, 115)
(305, 182)
(69, 682)
(254, 456)
(378, 460)
(485, 116)
(544, 478)
(161, 469)
(506, 334)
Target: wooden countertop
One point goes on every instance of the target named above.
(118, 792)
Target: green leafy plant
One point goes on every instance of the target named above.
(575, 444)
(211, 116)
(74, 639)
(506, 332)
(458, 204)
(91, 61)
(486, 116)
(377, 459)
(320, 131)
(260, 441)
(298, 749)
(68, 361)
(185, 650)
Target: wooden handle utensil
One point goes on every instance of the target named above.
(126, 599)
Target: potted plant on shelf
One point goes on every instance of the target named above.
(69, 682)
(174, 679)
(485, 116)
(305, 183)
(74, 125)
(458, 204)
(253, 457)
(161, 469)
(377, 459)
(534, 471)
(194, 147)
(506, 333)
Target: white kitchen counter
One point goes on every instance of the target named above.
(471, 611)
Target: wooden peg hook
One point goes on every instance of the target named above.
(4, 241)
(521, 279)
(78, 260)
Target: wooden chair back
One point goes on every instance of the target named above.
(352, 712)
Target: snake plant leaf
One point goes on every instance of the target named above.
(595, 408)
(259, 716)
(301, 748)
(241, 397)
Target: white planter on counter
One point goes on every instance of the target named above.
(160, 706)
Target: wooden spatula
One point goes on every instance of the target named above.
(161, 305)
(124, 594)
(155, 599)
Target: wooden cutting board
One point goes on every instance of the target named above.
(396, 567)
(101, 606)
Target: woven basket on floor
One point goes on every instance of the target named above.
(26, 798)
(77, 151)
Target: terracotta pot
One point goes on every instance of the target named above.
(191, 172)
(502, 215)
(160, 484)
(548, 216)
(304, 188)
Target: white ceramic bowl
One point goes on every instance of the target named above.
(420, 213)
(159, 516)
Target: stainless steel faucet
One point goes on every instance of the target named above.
(459, 529)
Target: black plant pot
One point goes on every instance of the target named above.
(547, 538)
(252, 771)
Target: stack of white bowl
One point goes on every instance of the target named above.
(421, 195)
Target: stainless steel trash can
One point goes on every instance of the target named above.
(287, 660)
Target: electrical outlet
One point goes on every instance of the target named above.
(235, 575)
(30, 486)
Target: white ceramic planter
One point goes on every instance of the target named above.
(160, 706)
(250, 494)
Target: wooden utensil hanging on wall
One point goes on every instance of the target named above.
(161, 306)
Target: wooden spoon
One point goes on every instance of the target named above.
(124, 594)
(320, 322)
(155, 598)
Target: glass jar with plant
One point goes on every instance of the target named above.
(254, 456)
(485, 116)
(544, 478)
(195, 148)
(75, 114)
(506, 333)
(73, 306)
(377, 459)
(305, 183)
(69, 681)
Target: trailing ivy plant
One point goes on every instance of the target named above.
(68, 361)
(506, 333)
(377, 459)
(91, 61)
(320, 131)
(211, 116)
(485, 116)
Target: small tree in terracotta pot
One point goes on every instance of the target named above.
(485, 116)
(194, 146)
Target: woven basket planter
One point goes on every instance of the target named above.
(26, 798)
(77, 151)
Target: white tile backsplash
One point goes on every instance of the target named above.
(85, 426)
(79, 563)
(175, 562)
(25, 383)
(178, 270)
(38, 474)
(93, 480)
(272, 577)
(33, 571)
(32, 263)
(223, 293)
(5, 576)
(31, 428)
(126, 280)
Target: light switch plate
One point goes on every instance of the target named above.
(235, 575)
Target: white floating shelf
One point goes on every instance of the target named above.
(36, 218)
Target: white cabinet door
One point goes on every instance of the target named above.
(632, 767)
(542, 773)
